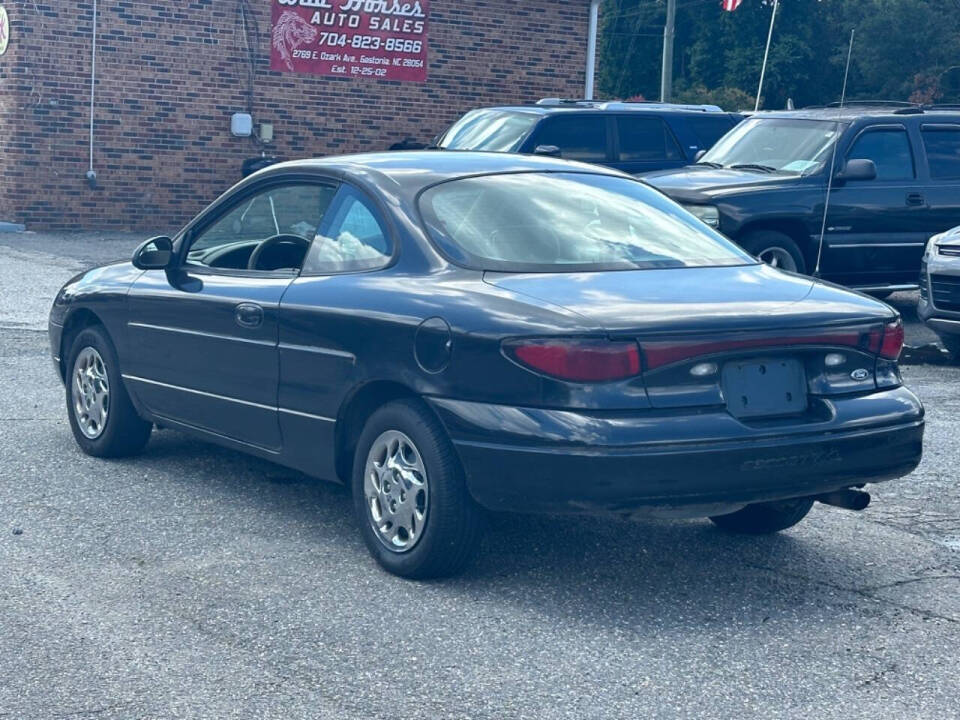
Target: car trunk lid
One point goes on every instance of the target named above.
(749, 337)
(692, 300)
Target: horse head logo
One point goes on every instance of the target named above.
(4, 30)
(291, 32)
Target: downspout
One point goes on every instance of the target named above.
(91, 173)
(591, 49)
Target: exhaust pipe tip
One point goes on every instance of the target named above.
(848, 499)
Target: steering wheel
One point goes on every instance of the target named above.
(254, 262)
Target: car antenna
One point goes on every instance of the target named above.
(833, 157)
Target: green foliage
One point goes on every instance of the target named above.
(904, 49)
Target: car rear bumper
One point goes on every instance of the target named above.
(539, 460)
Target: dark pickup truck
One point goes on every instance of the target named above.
(896, 183)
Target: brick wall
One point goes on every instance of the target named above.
(170, 74)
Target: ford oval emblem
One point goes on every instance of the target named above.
(860, 374)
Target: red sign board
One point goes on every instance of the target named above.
(382, 39)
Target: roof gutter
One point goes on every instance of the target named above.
(591, 49)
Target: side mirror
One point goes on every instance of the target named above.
(858, 169)
(548, 150)
(154, 254)
(699, 156)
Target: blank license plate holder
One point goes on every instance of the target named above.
(764, 387)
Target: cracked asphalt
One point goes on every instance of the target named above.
(195, 582)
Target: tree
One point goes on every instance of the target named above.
(903, 50)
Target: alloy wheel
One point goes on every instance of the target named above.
(91, 393)
(778, 257)
(396, 491)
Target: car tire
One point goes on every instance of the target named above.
(93, 381)
(765, 518)
(775, 248)
(404, 447)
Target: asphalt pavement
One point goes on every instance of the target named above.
(196, 582)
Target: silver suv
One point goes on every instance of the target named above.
(940, 289)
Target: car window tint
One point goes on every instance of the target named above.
(943, 151)
(890, 152)
(579, 137)
(352, 238)
(709, 128)
(646, 138)
(294, 210)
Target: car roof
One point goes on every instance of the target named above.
(856, 111)
(585, 106)
(413, 170)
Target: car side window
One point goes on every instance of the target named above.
(646, 138)
(351, 237)
(579, 137)
(709, 128)
(288, 214)
(943, 151)
(890, 151)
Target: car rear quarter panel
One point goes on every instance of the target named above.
(341, 333)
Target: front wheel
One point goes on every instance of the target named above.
(410, 496)
(102, 417)
(775, 249)
(765, 518)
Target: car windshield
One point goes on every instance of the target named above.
(563, 222)
(490, 130)
(785, 145)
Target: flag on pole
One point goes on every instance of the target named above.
(731, 5)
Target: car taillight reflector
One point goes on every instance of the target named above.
(665, 352)
(579, 360)
(893, 337)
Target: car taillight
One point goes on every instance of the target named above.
(659, 353)
(578, 360)
(892, 344)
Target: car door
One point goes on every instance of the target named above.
(941, 142)
(203, 335)
(322, 329)
(874, 235)
(579, 136)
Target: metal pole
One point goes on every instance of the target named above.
(766, 53)
(666, 73)
(591, 49)
(833, 156)
(91, 173)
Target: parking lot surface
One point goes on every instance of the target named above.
(197, 582)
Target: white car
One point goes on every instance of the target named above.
(940, 289)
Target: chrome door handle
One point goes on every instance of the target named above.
(248, 315)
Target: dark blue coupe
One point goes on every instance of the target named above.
(448, 332)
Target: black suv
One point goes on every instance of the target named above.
(896, 183)
(630, 136)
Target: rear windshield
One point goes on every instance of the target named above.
(563, 222)
(490, 130)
